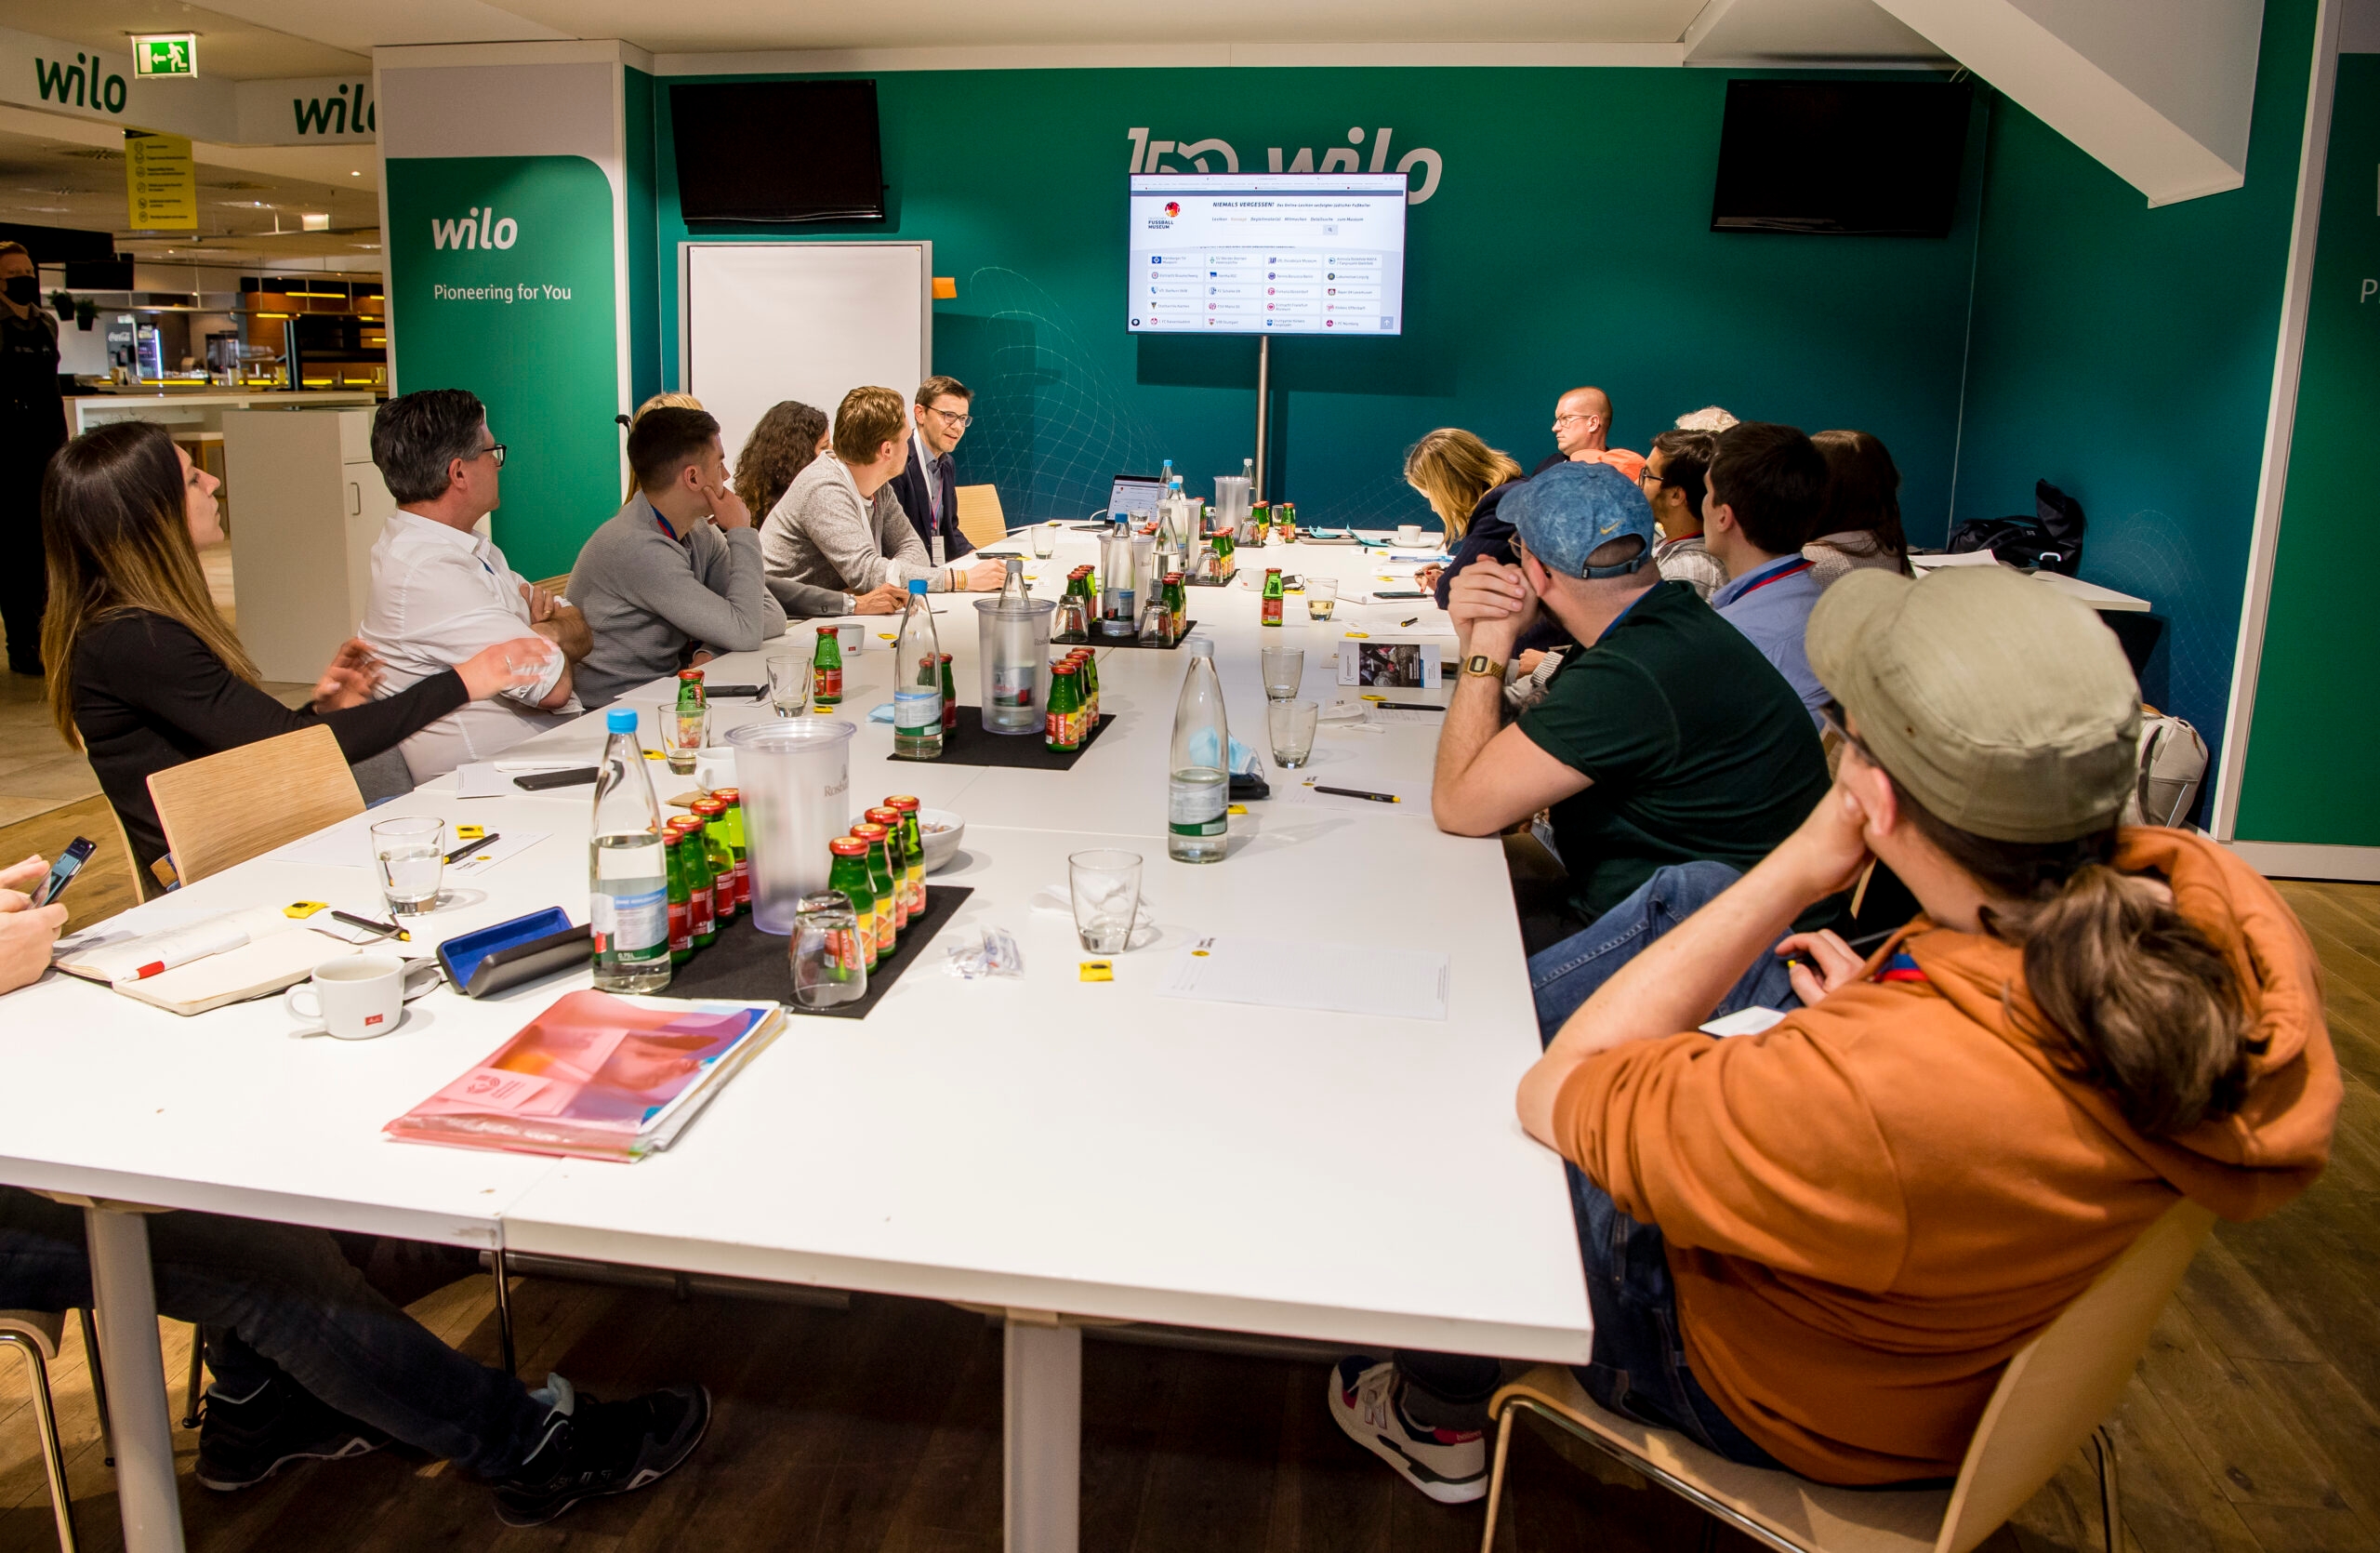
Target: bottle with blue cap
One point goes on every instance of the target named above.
(628, 871)
(916, 682)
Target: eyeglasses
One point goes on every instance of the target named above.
(494, 449)
(1647, 476)
(954, 419)
(1560, 418)
(1834, 717)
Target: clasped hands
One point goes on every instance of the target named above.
(1491, 604)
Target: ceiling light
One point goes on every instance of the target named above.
(314, 221)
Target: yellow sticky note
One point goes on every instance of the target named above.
(1358, 633)
(301, 909)
(885, 636)
(1097, 969)
(654, 755)
(1236, 809)
(470, 832)
(1371, 696)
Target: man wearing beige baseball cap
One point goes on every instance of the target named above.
(1851, 1219)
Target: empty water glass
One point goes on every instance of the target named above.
(1284, 670)
(829, 966)
(1321, 597)
(1105, 886)
(789, 685)
(412, 857)
(1045, 540)
(1290, 725)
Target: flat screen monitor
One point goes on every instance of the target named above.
(777, 152)
(1135, 495)
(1266, 253)
(1875, 157)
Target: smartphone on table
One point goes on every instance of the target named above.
(70, 863)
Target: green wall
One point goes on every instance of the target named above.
(2312, 751)
(2126, 355)
(1568, 241)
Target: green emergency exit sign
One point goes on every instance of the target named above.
(161, 54)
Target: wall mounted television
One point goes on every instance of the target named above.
(777, 152)
(1881, 158)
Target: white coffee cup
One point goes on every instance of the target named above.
(852, 633)
(1409, 534)
(360, 996)
(715, 767)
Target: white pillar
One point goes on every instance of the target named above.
(1042, 1422)
(126, 1302)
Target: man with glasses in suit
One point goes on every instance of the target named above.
(929, 486)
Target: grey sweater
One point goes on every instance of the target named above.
(820, 533)
(650, 599)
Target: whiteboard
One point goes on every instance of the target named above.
(762, 322)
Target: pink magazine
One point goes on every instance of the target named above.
(594, 1076)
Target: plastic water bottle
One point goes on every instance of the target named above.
(1199, 774)
(628, 871)
(1165, 476)
(916, 682)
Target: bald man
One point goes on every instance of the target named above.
(1581, 433)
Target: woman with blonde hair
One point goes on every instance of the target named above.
(1464, 480)
(145, 673)
(671, 400)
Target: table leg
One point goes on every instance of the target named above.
(1043, 1424)
(126, 1302)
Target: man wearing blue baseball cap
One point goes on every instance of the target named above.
(1673, 756)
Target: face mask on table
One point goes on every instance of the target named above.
(23, 291)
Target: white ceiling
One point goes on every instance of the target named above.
(227, 46)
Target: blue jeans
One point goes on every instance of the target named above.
(1638, 1365)
(279, 1298)
(1565, 975)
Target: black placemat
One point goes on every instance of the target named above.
(967, 744)
(749, 964)
(1136, 641)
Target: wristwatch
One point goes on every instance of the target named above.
(1484, 667)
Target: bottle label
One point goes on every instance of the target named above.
(624, 924)
(1197, 808)
(828, 688)
(702, 906)
(744, 883)
(1012, 686)
(915, 709)
(682, 927)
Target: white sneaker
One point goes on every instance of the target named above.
(1450, 1465)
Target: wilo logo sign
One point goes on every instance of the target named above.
(79, 85)
(333, 112)
(1148, 156)
(481, 229)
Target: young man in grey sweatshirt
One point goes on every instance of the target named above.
(675, 577)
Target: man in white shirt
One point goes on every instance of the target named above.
(440, 592)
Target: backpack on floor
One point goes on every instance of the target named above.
(2173, 763)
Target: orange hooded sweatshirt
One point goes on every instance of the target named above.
(1869, 1207)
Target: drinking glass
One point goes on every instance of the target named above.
(683, 734)
(789, 685)
(1321, 597)
(1290, 723)
(412, 857)
(828, 967)
(1106, 889)
(1045, 540)
(1284, 669)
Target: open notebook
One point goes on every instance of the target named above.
(192, 966)
(596, 1076)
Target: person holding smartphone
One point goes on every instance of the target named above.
(26, 931)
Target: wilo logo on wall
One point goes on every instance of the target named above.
(481, 229)
(79, 85)
(333, 112)
(1148, 156)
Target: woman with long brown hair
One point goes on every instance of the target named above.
(1464, 480)
(783, 443)
(145, 673)
(1859, 525)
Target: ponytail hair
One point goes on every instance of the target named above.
(2140, 1001)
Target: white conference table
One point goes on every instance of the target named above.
(1059, 1151)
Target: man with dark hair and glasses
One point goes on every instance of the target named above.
(442, 590)
(929, 486)
(1673, 482)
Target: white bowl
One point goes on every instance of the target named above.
(941, 845)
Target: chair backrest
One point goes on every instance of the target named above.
(2063, 1384)
(223, 809)
(980, 517)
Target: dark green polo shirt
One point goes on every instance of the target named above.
(1697, 747)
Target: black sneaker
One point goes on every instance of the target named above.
(591, 1448)
(242, 1443)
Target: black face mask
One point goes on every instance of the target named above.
(23, 291)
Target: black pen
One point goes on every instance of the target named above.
(384, 929)
(1402, 623)
(1358, 792)
(1409, 706)
(462, 852)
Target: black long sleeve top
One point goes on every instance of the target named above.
(149, 694)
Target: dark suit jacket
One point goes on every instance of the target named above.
(910, 486)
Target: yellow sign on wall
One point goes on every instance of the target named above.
(162, 181)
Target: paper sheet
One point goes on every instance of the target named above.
(347, 844)
(1743, 1021)
(494, 778)
(1963, 558)
(1344, 978)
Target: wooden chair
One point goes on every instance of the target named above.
(35, 1335)
(980, 517)
(224, 809)
(2052, 1397)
